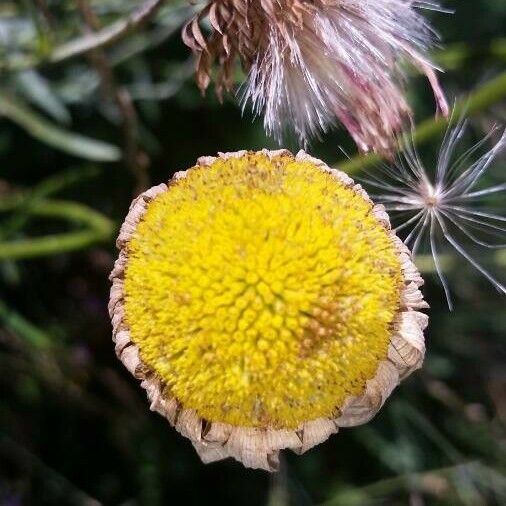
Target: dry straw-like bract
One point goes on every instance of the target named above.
(264, 302)
(312, 62)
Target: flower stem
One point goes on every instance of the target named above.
(490, 93)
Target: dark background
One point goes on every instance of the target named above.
(75, 427)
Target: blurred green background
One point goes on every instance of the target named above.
(81, 132)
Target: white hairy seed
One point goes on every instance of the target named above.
(444, 204)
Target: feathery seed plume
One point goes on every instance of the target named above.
(446, 204)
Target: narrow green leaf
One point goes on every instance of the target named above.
(37, 90)
(49, 245)
(16, 323)
(48, 133)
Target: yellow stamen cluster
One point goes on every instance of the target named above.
(261, 291)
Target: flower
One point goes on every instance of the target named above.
(264, 302)
(446, 203)
(310, 63)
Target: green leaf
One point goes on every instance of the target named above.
(15, 322)
(48, 133)
(38, 91)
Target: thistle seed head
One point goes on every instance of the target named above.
(312, 63)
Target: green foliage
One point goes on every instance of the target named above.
(94, 108)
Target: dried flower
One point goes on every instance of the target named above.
(264, 302)
(446, 203)
(310, 62)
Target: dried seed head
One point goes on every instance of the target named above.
(264, 302)
(310, 63)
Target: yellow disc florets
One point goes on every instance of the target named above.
(261, 291)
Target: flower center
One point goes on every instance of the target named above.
(261, 291)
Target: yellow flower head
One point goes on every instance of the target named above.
(264, 301)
